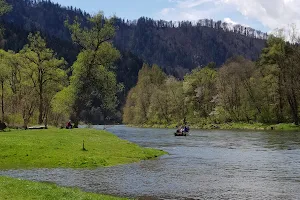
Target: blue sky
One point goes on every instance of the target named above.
(265, 15)
(131, 9)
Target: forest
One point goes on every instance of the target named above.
(265, 91)
(81, 67)
(177, 47)
(38, 88)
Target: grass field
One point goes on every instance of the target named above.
(61, 148)
(15, 189)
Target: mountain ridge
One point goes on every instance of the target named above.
(177, 47)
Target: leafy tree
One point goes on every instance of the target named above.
(167, 103)
(236, 92)
(22, 99)
(200, 89)
(4, 75)
(291, 81)
(274, 55)
(62, 105)
(130, 108)
(146, 92)
(284, 58)
(93, 80)
(44, 71)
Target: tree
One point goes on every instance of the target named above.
(22, 99)
(167, 103)
(235, 92)
(4, 75)
(62, 105)
(200, 88)
(93, 80)
(44, 71)
(284, 58)
(291, 73)
(129, 110)
(147, 100)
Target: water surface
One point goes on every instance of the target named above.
(205, 165)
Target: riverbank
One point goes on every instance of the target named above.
(231, 126)
(21, 190)
(61, 148)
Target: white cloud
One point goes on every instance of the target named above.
(230, 21)
(271, 13)
(166, 11)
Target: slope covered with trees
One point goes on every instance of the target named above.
(182, 47)
(177, 47)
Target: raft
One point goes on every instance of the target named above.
(180, 134)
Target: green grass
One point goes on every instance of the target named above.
(61, 148)
(26, 190)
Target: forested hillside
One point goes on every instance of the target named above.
(181, 47)
(177, 47)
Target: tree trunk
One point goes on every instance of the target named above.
(294, 107)
(26, 122)
(76, 114)
(45, 116)
(280, 117)
(2, 99)
(296, 118)
(41, 110)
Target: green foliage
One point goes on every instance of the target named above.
(4, 75)
(30, 79)
(44, 72)
(4, 7)
(241, 91)
(200, 90)
(62, 148)
(155, 100)
(93, 82)
(167, 103)
(4, 68)
(25, 190)
(61, 106)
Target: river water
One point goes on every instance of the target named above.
(205, 165)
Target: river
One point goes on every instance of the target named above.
(205, 165)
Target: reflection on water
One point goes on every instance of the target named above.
(205, 165)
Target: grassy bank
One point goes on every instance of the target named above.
(231, 126)
(60, 148)
(24, 190)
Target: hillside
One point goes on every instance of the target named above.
(185, 46)
(177, 47)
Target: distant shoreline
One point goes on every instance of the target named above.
(230, 126)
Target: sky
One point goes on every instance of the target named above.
(264, 15)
